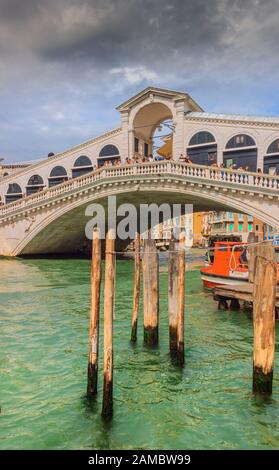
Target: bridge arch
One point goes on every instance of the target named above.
(57, 175)
(82, 165)
(241, 151)
(109, 153)
(145, 119)
(271, 158)
(14, 192)
(35, 184)
(63, 229)
(202, 148)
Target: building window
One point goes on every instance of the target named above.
(250, 226)
(240, 140)
(231, 215)
(201, 138)
(231, 227)
(136, 144)
(256, 228)
(240, 216)
(240, 226)
(274, 147)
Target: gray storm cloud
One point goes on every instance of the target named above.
(63, 62)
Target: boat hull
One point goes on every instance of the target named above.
(210, 281)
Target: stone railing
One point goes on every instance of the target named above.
(222, 175)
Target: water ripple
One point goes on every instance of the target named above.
(43, 358)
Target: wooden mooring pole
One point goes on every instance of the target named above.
(150, 273)
(136, 289)
(96, 276)
(108, 324)
(181, 302)
(176, 299)
(264, 297)
(173, 297)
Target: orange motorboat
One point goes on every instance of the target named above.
(227, 265)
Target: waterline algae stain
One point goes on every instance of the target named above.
(208, 404)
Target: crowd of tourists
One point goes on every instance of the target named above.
(138, 158)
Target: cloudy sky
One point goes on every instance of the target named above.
(66, 64)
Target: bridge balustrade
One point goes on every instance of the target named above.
(223, 175)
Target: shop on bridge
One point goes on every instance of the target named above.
(14, 193)
(82, 165)
(202, 149)
(271, 160)
(35, 184)
(108, 155)
(57, 175)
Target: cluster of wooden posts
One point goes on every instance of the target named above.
(262, 270)
(150, 274)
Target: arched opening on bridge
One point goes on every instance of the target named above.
(202, 148)
(241, 151)
(14, 193)
(271, 160)
(65, 233)
(57, 175)
(162, 140)
(34, 185)
(153, 129)
(108, 155)
(82, 166)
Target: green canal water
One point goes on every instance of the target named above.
(44, 315)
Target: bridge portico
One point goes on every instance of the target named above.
(141, 114)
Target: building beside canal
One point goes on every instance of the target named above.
(231, 224)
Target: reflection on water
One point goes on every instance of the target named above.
(43, 359)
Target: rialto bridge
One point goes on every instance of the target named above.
(44, 203)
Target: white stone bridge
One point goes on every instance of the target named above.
(53, 220)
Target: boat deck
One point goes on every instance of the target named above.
(239, 292)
